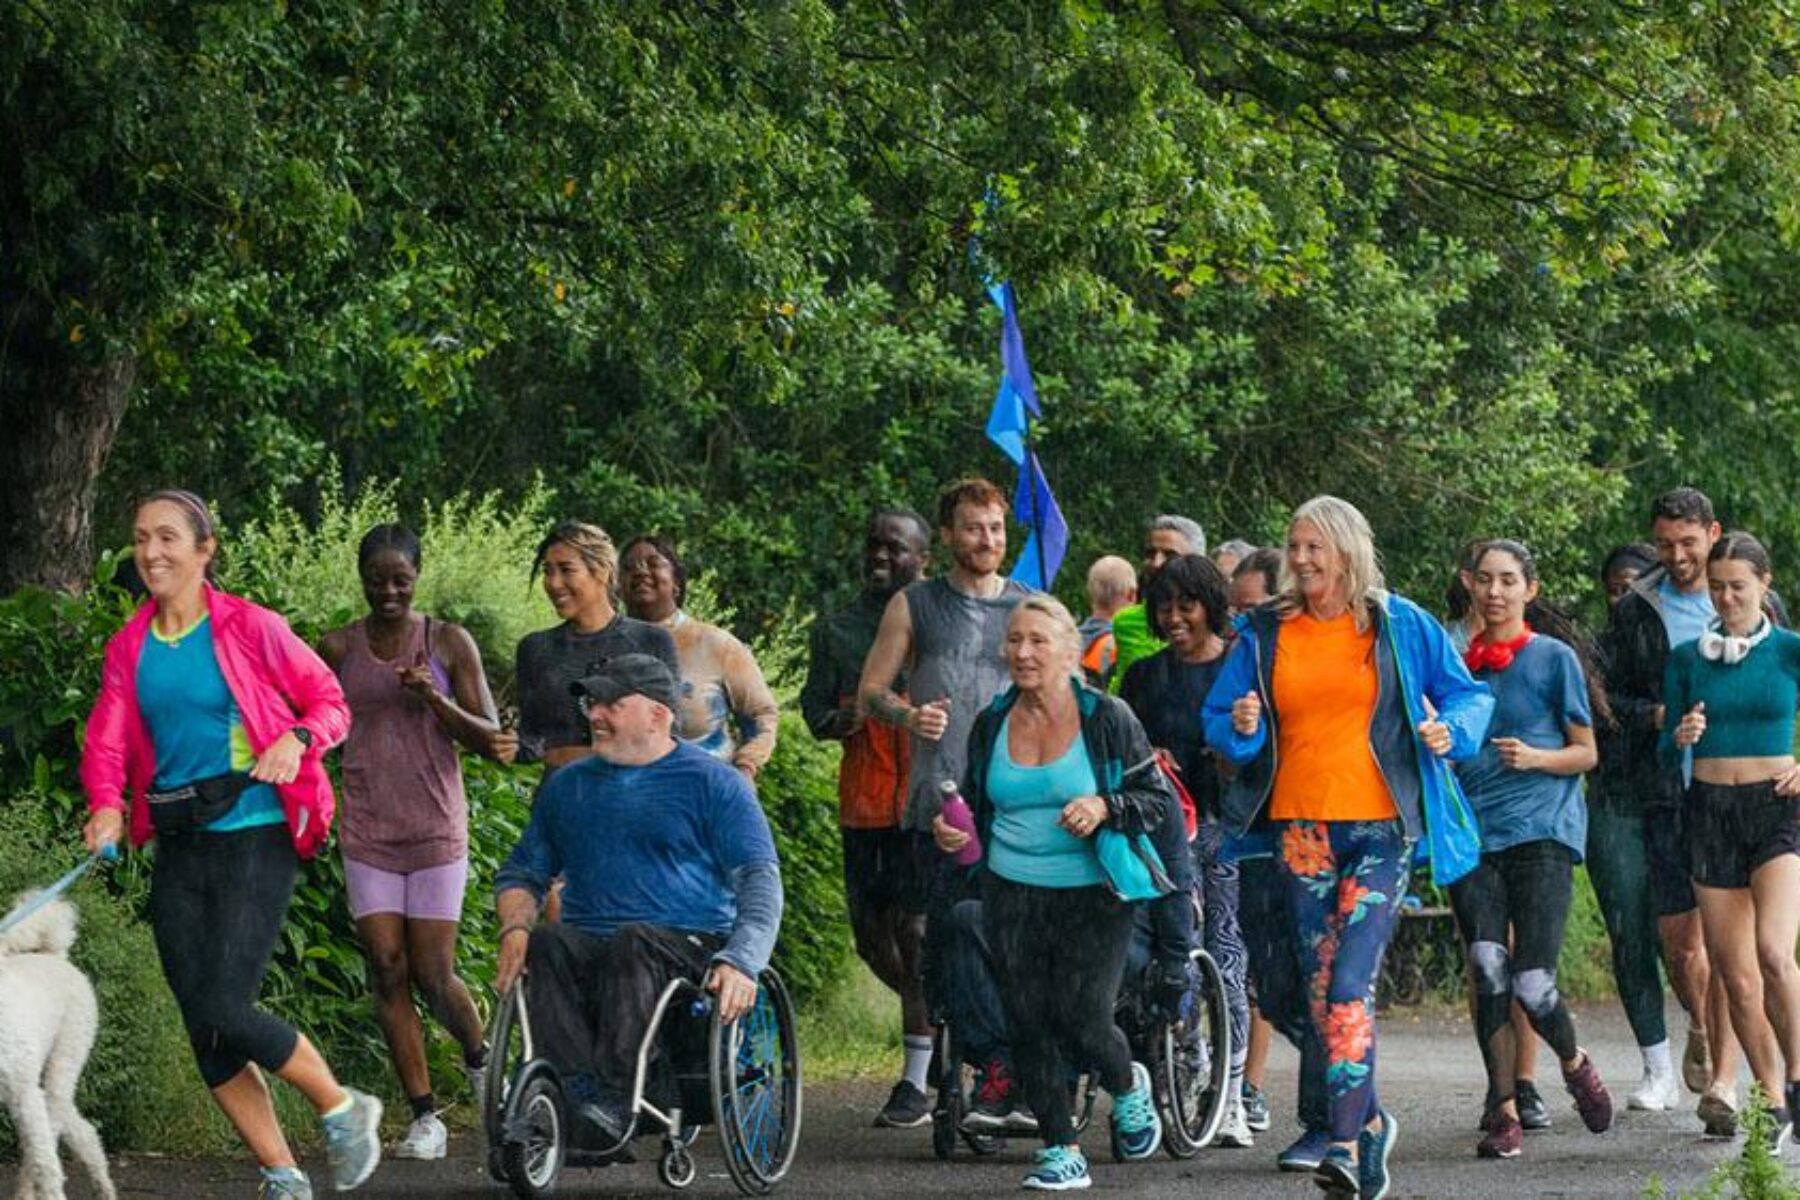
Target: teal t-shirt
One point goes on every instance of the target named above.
(1027, 845)
(194, 723)
(1749, 705)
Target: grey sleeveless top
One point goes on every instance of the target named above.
(957, 652)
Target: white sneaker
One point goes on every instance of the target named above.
(426, 1137)
(1234, 1128)
(1657, 1091)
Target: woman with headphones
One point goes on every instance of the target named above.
(1737, 687)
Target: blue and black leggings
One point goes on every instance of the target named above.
(1344, 882)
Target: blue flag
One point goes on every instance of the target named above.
(1008, 427)
(1045, 548)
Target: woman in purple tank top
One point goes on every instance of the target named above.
(415, 688)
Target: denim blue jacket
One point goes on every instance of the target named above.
(1418, 667)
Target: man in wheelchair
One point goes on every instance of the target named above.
(669, 871)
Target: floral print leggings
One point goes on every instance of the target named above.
(1344, 882)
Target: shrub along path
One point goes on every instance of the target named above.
(1429, 1072)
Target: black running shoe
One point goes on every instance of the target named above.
(907, 1108)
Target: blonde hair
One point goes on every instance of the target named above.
(1347, 531)
(592, 543)
(1068, 633)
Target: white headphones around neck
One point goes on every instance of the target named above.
(1717, 646)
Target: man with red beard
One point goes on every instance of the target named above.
(946, 635)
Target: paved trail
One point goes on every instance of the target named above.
(1430, 1078)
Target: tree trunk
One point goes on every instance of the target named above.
(55, 434)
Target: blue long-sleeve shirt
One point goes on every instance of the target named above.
(680, 842)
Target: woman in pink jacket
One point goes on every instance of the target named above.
(209, 728)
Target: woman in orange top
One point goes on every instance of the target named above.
(1337, 702)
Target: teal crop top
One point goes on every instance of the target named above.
(1749, 705)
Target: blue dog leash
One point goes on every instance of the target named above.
(108, 851)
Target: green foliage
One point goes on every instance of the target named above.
(1479, 268)
(798, 790)
(1755, 1173)
(476, 555)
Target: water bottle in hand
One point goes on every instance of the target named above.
(956, 814)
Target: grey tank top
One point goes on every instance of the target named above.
(957, 652)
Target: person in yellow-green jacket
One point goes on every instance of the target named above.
(1168, 537)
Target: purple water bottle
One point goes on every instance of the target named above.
(956, 814)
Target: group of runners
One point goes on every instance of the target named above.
(1334, 735)
(1336, 741)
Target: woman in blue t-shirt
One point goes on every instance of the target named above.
(1525, 786)
(1736, 687)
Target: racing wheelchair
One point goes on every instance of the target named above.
(1189, 1059)
(742, 1077)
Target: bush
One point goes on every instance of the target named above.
(799, 793)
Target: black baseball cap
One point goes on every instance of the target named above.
(628, 674)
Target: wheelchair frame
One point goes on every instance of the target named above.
(752, 1062)
(1191, 1109)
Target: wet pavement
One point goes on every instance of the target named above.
(1430, 1078)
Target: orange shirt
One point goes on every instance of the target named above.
(1325, 690)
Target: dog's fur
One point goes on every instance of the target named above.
(48, 1018)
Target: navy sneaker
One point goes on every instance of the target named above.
(1372, 1153)
(1337, 1173)
(1058, 1169)
(1307, 1152)
(1137, 1130)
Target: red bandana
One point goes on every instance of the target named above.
(1494, 656)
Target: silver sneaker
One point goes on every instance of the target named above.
(290, 1184)
(353, 1141)
(425, 1138)
(1234, 1127)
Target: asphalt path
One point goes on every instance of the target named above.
(1430, 1078)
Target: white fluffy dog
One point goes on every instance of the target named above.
(47, 1021)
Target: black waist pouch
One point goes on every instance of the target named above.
(196, 805)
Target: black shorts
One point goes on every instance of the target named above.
(887, 868)
(1735, 828)
(1666, 846)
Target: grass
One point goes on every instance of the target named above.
(853, 1034)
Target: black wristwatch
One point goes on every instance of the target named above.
(303, 735)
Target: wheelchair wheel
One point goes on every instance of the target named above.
(508, 1054)
(953, 1104)
(1192, 1079)
(535, 1134)
(755, 1072)
(676, 1167)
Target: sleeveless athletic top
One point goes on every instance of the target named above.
(957, 644)
(404, 808)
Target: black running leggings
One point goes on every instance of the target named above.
(1059, 954)
(217, 904)
(1523, 890)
